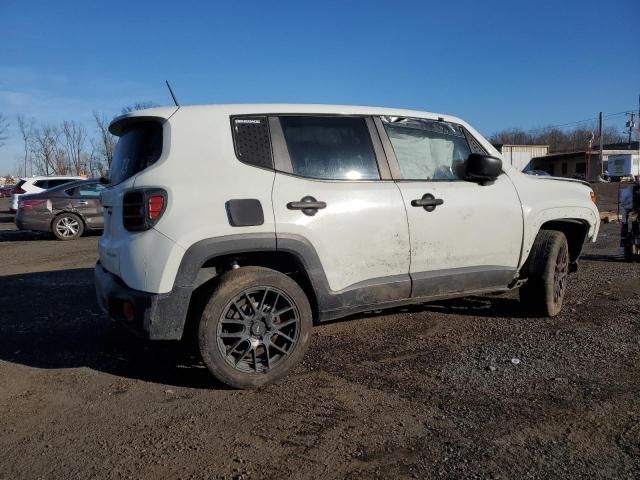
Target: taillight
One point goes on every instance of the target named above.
(18, 190)
(30, 204)
(141, 209)
(593, 196)
(156, 206)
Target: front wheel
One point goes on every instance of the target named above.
(547, 270)
(67, 226)
(255, 328)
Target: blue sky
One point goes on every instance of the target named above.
(497, 64)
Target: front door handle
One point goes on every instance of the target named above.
(82, 203)
(308, 205)
(428, 202)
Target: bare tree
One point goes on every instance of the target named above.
(137, 106)
(26, 128)
(104, 146)
(4, 128)
(75, 137)
(558, 140)
(45, 149)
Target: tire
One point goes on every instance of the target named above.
(241, 341)
(547, 270)
(67, 226)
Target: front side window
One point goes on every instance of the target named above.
(330, 148)
(427, 149)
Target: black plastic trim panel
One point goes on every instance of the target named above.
(245, 212)
(460, 280)
(163, 316)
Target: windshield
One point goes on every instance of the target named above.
(138, 147)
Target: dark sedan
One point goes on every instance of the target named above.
(66, 211)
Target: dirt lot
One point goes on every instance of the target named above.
(424, 392)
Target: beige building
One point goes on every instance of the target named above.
(581, 164)
(519, 156)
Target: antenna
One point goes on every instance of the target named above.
(171, 92)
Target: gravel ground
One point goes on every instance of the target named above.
(423, 392)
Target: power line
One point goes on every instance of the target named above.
(578, 122)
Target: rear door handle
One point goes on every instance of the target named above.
(308, 205)
(428, 202)
(82, 203)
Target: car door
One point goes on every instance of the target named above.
(465, 236)
(333, 192)
(86, 199)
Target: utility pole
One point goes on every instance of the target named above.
(630, 124)
(601, 129)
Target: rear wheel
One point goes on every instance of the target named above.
(547, 270)
(255, 328)
(67, 226)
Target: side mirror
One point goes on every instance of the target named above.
(483, 168)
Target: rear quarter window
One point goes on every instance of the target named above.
(252, 141)
(138, 147)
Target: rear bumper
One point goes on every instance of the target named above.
(32, 222)
(154, 316)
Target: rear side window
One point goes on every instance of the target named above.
(251, 140)
(41, 184)
(89, 190)
(138, 147)
(20, 183)
(57, 183)
(330, 148)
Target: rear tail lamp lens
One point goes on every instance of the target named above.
(18, 191)
(141, 209)
(156, 206)
(593, 196)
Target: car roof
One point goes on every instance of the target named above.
(293, 108)
(52, 177)
(117, 124)
(67, 186)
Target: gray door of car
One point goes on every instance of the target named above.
(86, 199)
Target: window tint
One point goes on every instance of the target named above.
(251, 140)
(428, 150)
(331, 148)
(41, 184)
(139, 146)
(20, 183)
(89, 190)
(57, 183)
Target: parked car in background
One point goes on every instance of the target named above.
(537, 173)
(30, 185)
(5, 192)
(67, 211)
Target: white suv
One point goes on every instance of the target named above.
(29, 185)
(250, 222)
